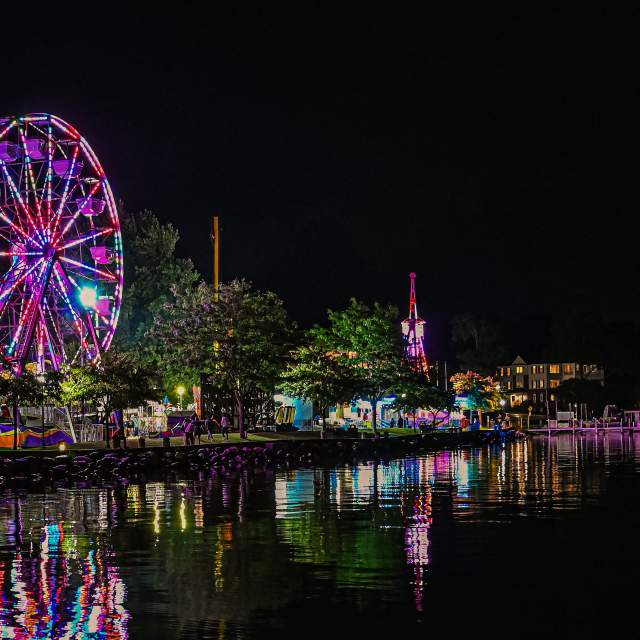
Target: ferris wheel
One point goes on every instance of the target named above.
(60, 246)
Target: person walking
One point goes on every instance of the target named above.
(224, 426)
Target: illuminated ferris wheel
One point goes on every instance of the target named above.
(60, 246)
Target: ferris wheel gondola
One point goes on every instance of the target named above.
(60, 246)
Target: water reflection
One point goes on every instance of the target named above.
(223, 557)
(57, 583)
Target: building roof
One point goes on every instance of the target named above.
(518, 360)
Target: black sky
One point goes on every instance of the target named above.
(495, 155)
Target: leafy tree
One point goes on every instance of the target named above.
(483, 345)
(243, 339)
(481, 393)
(152, 273)
(118, 381)
(27, 388)
(416, 392)
(577, 391)
(318, 376)
(369, 341)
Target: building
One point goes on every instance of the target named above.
(533, 384)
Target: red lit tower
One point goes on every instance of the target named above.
(413, 332)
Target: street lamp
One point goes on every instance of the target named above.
(180, 391)
(502, 403)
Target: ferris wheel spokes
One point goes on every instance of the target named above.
(60, 245)
(21, 340)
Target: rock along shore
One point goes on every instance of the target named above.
(42, 469)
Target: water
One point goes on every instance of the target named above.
(539, 537)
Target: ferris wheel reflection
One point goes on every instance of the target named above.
(57, 585)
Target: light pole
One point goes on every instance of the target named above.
(180, 391)
(503, 402)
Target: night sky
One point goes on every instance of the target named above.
(495, 155)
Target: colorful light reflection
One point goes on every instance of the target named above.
(56, 591)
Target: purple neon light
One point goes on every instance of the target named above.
(56, 207)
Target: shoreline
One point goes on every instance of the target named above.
(43, 469)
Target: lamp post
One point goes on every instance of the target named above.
(180, 391)
(503, 402)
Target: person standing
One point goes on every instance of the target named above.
(188, 430)
(224, 425)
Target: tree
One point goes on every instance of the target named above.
(243, 339)
(416, 392)
(118, 381)
(27, 388)
(578, 391)
(368, 340)
(318, 376)
(483, 344)
(152, 273)
(481, 393)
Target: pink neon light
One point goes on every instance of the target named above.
(42, 227)
(100, 272)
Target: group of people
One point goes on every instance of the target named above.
(195, 428)
(501, 422)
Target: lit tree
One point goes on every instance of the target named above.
(368, 340)
(243, 339)
(481, 393)
(117, 382)
(318, 376)
(27, 388)
(416, 392)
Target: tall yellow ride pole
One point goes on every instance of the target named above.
(216, 257)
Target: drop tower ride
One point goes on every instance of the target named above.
(413, 332)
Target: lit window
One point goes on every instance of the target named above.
(502, 371)
(508, 371)
(519, 369)
(554, 384)
(552, 397)
(541, 383)
(567, 368)
(554, 368)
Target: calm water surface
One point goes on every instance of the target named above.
(539, 537)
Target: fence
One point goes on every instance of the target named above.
(57, 417)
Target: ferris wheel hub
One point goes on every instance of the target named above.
(60, 246)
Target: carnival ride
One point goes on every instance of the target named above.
(60, 246)
(413, 332)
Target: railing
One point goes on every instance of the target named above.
(89, 432)
(57, 417)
